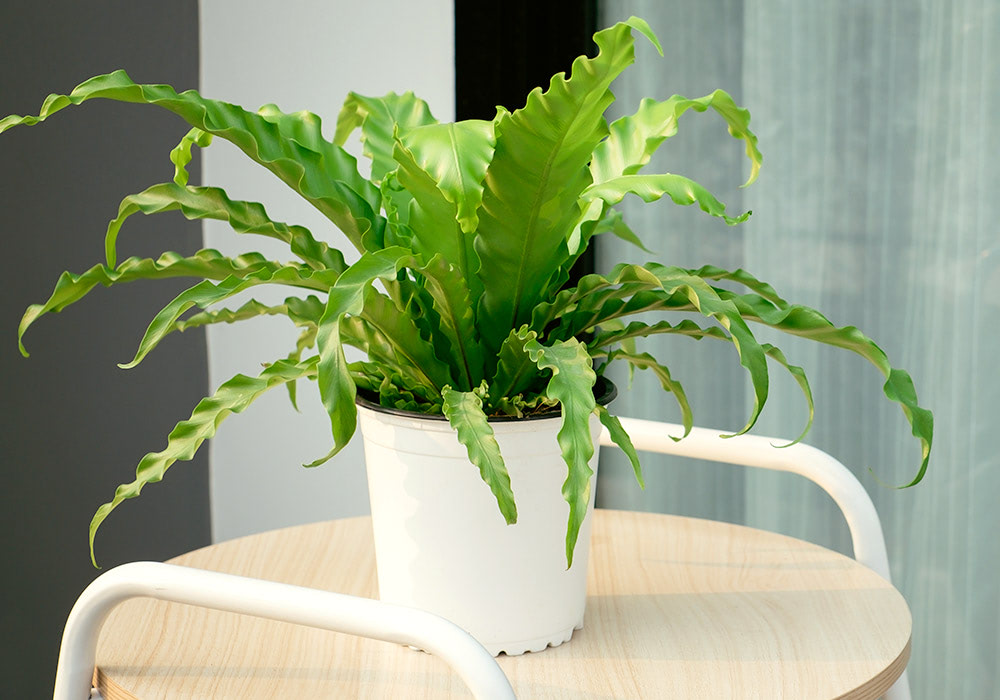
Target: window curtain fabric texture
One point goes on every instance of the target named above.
(881, 140)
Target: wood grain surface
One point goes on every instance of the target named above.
(677, 608)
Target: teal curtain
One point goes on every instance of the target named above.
(879, 127)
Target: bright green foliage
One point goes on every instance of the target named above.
(456, 157)
(669, 384)
(214, 203)
(207, 293)
(461, 299)
(379, 118)
(535, 181)
(622, 439)
(571, 385)
(633, 139)
(184, 440)
(651, 187)
(464, 411)
(182, 153)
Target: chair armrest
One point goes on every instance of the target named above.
(760, 452)
(276, 601)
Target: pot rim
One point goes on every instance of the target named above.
(605, 392)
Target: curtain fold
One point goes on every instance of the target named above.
(878, 123)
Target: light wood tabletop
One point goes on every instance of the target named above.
(677, 608)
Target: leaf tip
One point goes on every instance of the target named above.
(883, 483)
(642, 26)
(94, 524)
(742, 218)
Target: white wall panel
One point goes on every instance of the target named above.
(299, 54)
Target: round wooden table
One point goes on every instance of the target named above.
(677, 608)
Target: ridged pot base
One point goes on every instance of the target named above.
(535, 645)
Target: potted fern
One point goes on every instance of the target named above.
(483, 370)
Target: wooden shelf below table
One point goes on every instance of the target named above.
(677, 608)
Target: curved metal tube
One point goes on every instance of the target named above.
(276, 601)
(755, 451)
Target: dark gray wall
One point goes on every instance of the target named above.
(74, 425)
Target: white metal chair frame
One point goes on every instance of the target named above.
(274, 601)
(378, 620)
(755, 451)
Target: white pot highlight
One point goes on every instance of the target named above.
(442, 545)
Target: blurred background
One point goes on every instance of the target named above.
(878, 125)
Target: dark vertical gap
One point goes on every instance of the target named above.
(73, 425)
(501, 56)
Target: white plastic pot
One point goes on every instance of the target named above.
(442, 545)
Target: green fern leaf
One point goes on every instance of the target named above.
(593, 291)
(464, 411)
(633, 139)
(515, 370)
(799, 375)
(206, 293)
(457, 156)
(181, 155)
(234, 396)
(326, 177)
(382, 352)
(632, 289)
(336, 387)
(214, 203)
(571, 384)
(808, 323)
(433, 219)
(667, 382)
(381, 119)
(638, 329)
(740, 276)
(622, 439)
(399, 329)
(299, 311)
(452, 304)
(538, 171)
(208, 263)
(651, 187)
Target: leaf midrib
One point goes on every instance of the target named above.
(536, 207)
(530, 231)
(452, 312)
(463, 253)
